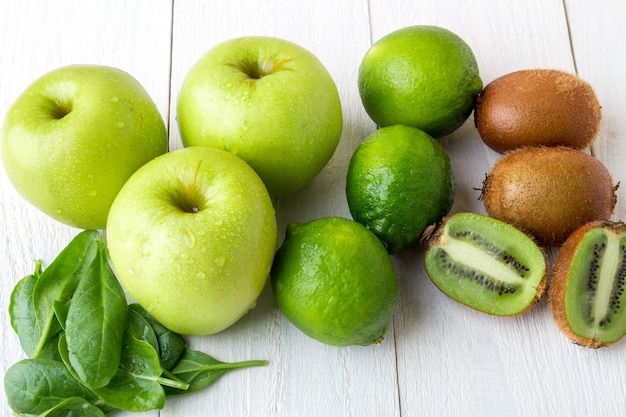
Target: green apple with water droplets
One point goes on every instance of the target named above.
(192, 237)
(269, 101)
(75, 135)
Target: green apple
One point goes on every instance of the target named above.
(74, 136)
(270, 102)
(192, 237)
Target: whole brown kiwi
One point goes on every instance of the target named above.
(537, 107)
(549, 191)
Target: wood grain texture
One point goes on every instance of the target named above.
(601, 61)
(34, 39)
(438, 357)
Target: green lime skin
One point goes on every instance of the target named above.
(334, 280)
(421, 76)
(399, 182)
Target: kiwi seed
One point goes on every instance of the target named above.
(486, 264)
(549, 191)
(587, 288)
(537, 107)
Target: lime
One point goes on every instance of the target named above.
(399, 182)
(421, 76)
(333, 279)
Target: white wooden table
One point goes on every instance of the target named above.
(438, 357)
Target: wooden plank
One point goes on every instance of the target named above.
(600, 61)
(450, 358)
(303, 377)
(34, 39)
(595, 36)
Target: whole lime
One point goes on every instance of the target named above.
(399, 182)
(421, 76)
(333, 279)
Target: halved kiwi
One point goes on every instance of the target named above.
(486, 264)
(587, 288)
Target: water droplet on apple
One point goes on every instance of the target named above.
(115, 99)
(131, 271)
(201, 275)
(92, 193)
(120, 124)
(220, 261)
(190, 239)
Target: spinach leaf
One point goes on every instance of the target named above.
(171, 344)
(50, 349)
(58, 282)
(24, 320)
(137, 386)
(60, 311)
(73, 407)
(95, 324)
(33, 386)
(140, 329)
(90, 351)
(200, 370)
(22, 311)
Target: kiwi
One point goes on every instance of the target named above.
(486, 264)
(587, 289)
(548, 191)
(537, 107)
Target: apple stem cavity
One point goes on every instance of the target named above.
(257, 68)
(189, 198)
(60, 109)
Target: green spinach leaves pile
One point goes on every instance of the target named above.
(89, 351)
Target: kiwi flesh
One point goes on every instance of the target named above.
(549, 191)
(537, 107)
(587, 288)
(486, 264)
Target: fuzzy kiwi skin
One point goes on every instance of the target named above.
(561, 274)
(537, 107)
(549, 191)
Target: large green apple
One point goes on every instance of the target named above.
(75, 135)
(192, 237)
(267, 100)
